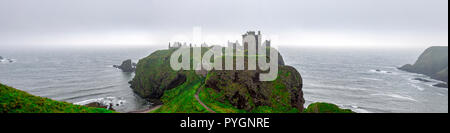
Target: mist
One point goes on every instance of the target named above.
(319, 23)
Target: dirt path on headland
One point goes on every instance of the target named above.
(147, 110)
(201, 103)
(159, 106)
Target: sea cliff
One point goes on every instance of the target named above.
(216, 91)
(432, 62)
(16, 101)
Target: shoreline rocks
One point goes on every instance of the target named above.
(154, 75)
(126, 66)
(421, 79)
(432, 62)
(99, 105)
(241, 88)
(442, 85)
(2, 59)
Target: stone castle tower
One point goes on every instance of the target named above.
(251, 39)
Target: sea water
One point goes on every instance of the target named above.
(364, 80)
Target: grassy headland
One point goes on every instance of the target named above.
(16, 101)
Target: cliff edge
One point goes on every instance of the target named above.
(241, 89)
(432, 62)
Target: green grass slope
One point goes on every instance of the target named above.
(182, 98)
(278, 97)
(17, 101)
(220, 91)
(321, 107)
(210, 98)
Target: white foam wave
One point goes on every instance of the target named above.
(106, 101)
(338, 87)
(396, 96)
(440, 94)
(417, 87)
(354, 108)
(359, 110)
(381, 71)
(375, 79)
(8, 60)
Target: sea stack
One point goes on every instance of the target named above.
(432, 62)
(127, 66)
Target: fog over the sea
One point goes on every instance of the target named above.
(322, 23)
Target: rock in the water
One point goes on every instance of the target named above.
(443, 85)
(421, 79)
(99, 105)
(6, 60)
(432, 62)
(127, 66)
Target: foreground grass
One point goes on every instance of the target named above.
(209, 97)
(321, 107)
(182, 98)
(17, 101)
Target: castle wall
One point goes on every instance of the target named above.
(250, 40)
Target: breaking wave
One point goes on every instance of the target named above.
(106, 101)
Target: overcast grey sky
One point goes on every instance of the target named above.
(342, 23)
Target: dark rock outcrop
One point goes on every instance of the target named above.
(99, 105)
(241, 88)
(154, 75)
(321, 107)
(441, 75)
(432, 62)
(421, 79)
(127, 66)
(443, 85)
(6, 60)
(244, 90)
(280, 59)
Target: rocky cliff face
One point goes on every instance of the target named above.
(244, 90)
(241, 88)
(432, 62)
(441, 75)
(127, 66)
(154, 75)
